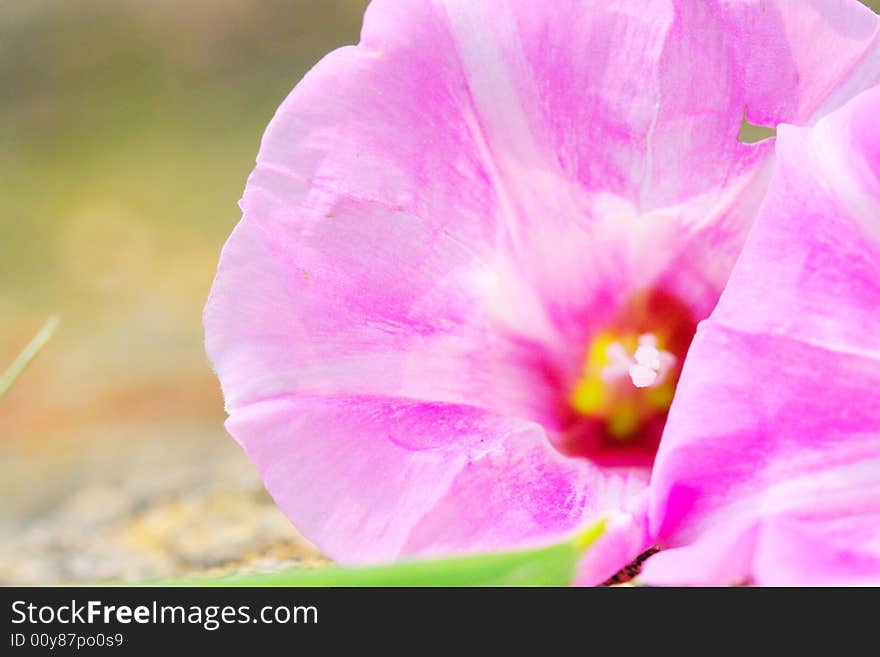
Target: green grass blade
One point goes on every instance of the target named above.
(555, 565)
(27, 355)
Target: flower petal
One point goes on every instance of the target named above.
(774, 434)
(372, 479)
(625, 538)
(443, 189)
(722, 556)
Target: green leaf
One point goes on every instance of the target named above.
(27, 355)
(554, 565)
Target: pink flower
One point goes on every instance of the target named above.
(475, 248)
(769, 471)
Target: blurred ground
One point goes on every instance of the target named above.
(127, 130)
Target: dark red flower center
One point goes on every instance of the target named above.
(616, 408)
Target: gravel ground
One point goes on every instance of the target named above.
(156, 509)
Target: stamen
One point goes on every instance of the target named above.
(648, 356)
(618, 363)
(647, 367)
(642, 376)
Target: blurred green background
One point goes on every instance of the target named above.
(127, 130)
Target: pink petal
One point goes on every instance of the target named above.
(625, 538)
(423, 197)
(721, 557)
(372, 479)
(775, 428)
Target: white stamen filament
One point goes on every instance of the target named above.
(647, 367)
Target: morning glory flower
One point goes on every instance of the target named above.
(769, 471)
(475, 249)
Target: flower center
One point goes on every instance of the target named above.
(626, 380)
(624, 387)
